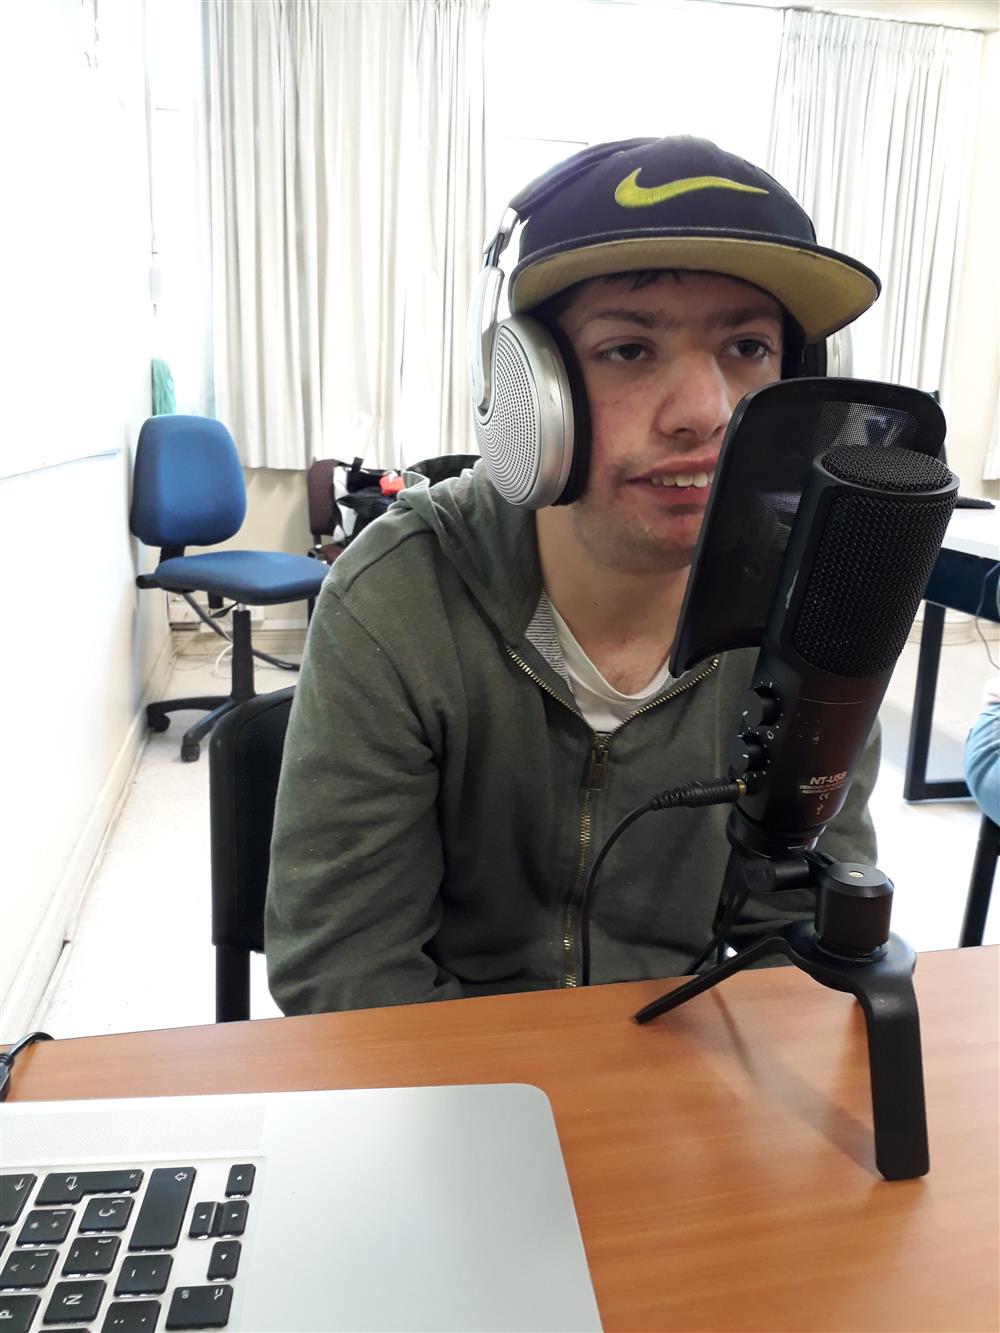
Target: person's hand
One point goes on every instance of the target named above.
(991, 691)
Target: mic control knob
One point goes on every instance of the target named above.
(748, 754)
(763, 708)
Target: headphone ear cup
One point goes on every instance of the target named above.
(813, 360)
(579, 471)
(526, 430)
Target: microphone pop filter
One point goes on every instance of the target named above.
(775, 436)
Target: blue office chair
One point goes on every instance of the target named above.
(188, 490)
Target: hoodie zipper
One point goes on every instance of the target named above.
(596, 774)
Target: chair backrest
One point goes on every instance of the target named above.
(187, 484)
(244, 763)
(319, 488)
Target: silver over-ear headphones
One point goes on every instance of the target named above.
(528, 401)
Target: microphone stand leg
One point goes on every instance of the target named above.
(883, 986)
(762, 949)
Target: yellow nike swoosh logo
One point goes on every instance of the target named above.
(631, 195)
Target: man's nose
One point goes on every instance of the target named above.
(695, 400)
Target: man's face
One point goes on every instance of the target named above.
(664, 367)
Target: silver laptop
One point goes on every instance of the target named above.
(391, 1208)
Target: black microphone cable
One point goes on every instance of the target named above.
(720, 791)
(736, 889)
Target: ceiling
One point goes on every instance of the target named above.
(981, 15)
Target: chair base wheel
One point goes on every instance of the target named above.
(190, 751)
(157, 721)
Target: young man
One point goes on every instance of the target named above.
(485, 691)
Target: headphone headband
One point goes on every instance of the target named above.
(543, 187)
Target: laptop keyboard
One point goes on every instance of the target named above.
(129, 1250)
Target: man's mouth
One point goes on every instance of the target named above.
(681, 480)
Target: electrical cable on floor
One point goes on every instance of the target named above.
(226, 652)
(264, 657)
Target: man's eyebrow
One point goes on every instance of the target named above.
(746, 314)
(730, 318)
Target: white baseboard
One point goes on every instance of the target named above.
(958, 628)
(26, 998)
(273, 636)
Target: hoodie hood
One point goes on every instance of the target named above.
(491, 545)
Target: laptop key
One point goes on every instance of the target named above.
(203, 1220)
(232, 1219)
(14, 1192)
(106, 1214)
(70, 1187)
(4, 1238)
(17, 1312)
(45, 1225)
(88, 1255)
(200, 1307)
(74, 1300)
(161, 1214)
(28, 1268)
(240, 1179)
(225, 1260)
(144, 1275)
(131, 1317)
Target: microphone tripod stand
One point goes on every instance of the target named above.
(848, 948)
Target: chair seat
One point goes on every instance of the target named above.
(255, 578)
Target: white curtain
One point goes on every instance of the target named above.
(347, 164)
(872, 130)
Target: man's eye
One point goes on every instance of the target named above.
(752, 349)
(622, 352)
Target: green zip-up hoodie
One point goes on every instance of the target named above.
(442, 797)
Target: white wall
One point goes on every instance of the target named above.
(81, 647)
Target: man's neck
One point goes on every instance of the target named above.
(625, 622)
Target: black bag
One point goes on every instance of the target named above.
(364, 487)
(364, 496)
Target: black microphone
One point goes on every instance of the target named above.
(864, 541)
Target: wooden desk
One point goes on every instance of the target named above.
(721, 1158)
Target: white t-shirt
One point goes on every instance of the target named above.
(600, 703)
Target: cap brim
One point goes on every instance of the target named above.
(821, 289)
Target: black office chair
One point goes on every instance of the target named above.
(977, 904)
(188, 490)
(244, 761)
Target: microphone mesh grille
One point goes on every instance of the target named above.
(508, 439)
(888, 469)
(873, 560)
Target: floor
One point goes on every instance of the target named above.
(140, 955)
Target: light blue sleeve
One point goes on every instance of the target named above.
(982, 761)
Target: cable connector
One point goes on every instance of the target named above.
(720, 791)
(8, 1057)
